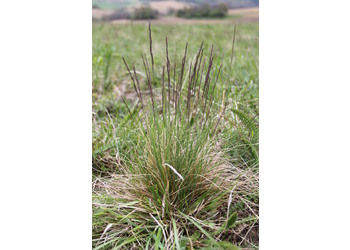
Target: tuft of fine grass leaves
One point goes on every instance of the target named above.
(174, 185)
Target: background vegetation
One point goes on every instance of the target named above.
(204, 10)
(230, 3)
(117, 4)
(144, 13)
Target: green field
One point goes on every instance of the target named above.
(115, 4)
(174, 168)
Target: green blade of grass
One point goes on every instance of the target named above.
(159, 236)
(231, 221)
(200, 228)
(130, 240)
(176, 237)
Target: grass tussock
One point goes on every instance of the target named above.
(169, 178)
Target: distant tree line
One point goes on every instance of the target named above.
(204, 10)
(144, 12)
(232, 4)
(140, 13)
(95, 6)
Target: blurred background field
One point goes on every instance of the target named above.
(172, 11)
(118, 4)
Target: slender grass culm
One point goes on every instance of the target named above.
(174, 187)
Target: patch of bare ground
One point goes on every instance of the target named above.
(163, 7)
(99, 13)
(246, 11)
(248, 14)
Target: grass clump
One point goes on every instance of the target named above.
(163, 173)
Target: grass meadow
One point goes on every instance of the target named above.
(175, 150)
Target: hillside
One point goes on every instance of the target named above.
(231, 3)
(117, 4)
